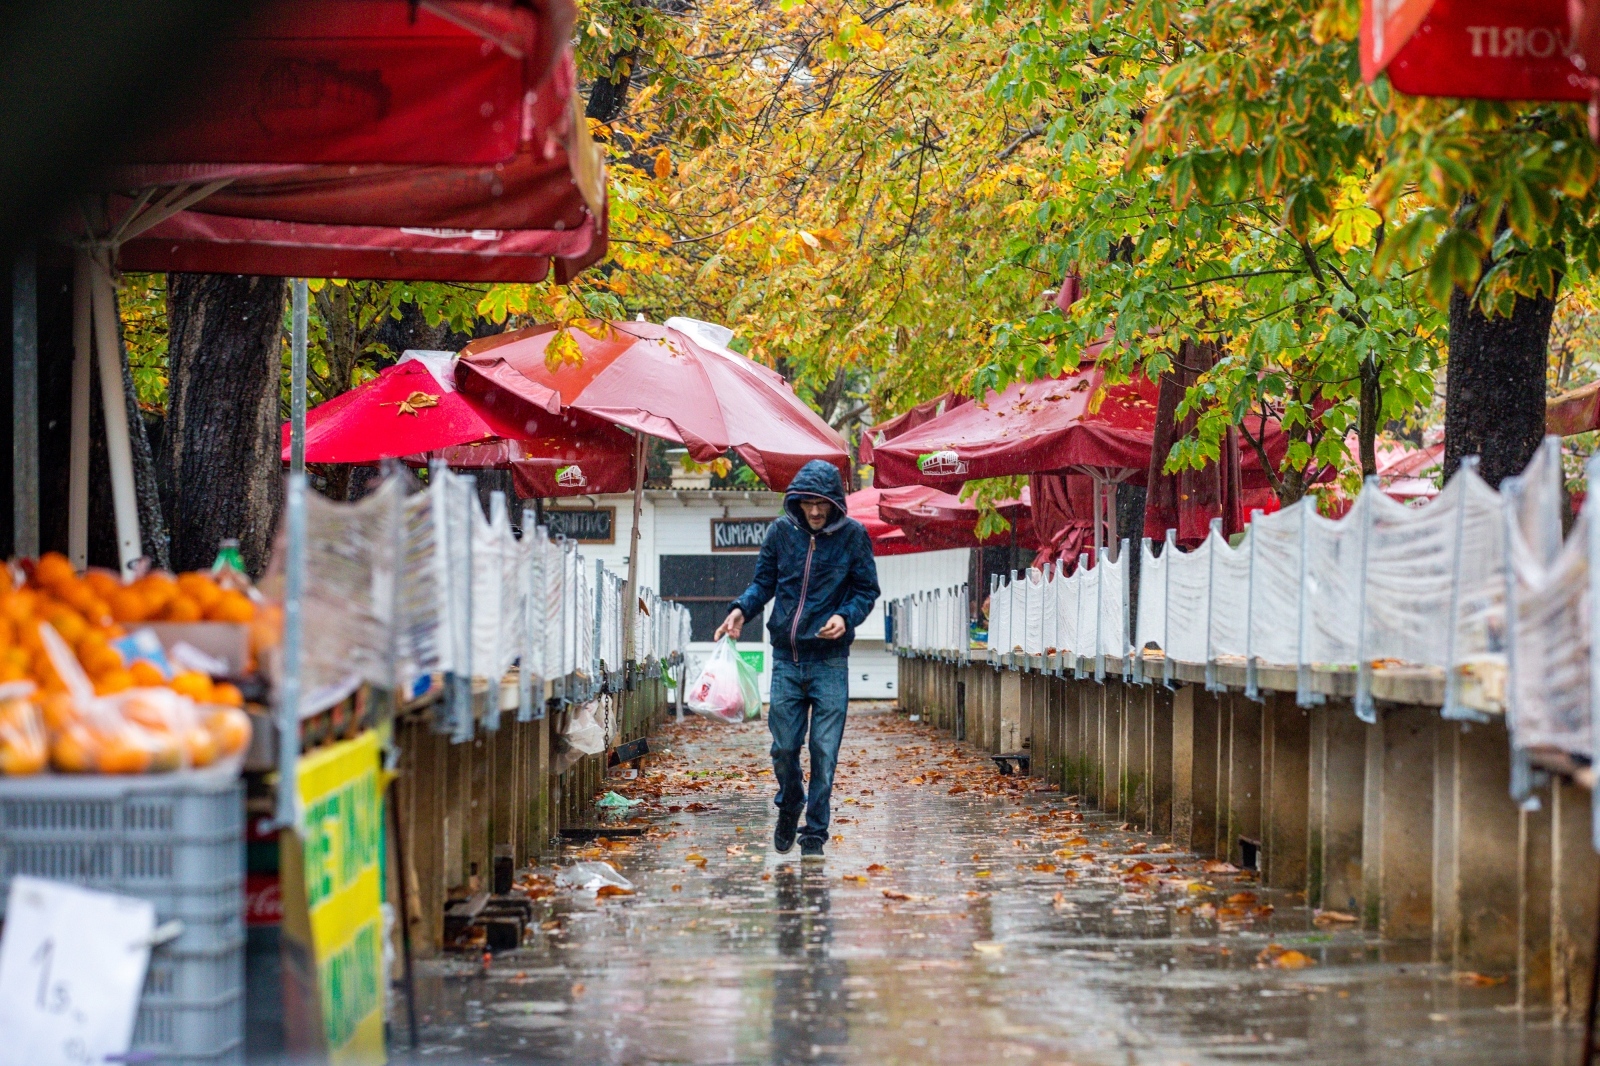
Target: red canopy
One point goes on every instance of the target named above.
(661, 382)
(905, 421)
(201, 243)
(404, 411)
(1483, 49)
(572, 455)
(1072, 423)
(940, 519)
(373, 81)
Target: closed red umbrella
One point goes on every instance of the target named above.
(905, 421)
(405, 410)
(944, 520)
(373, 81)
(1075, 423)
(570, 455)
(663, 383)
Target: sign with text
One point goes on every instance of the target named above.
(738, 534)
(596, 525)
(341, 831)
(72, 963)
(1481, 49)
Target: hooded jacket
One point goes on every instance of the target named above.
(810, 577)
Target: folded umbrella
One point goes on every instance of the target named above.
(944, 520)
(571, 455)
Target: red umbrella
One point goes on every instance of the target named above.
(1073, 423)
(374, 81)
(940, 519)
(405, 410)
(572, 456)
(905, 421)
(663, 383)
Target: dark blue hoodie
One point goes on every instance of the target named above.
(813, 576)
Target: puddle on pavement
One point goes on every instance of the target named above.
(961, 917)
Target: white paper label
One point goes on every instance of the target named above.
(72, 963)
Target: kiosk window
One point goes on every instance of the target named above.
(705, 584)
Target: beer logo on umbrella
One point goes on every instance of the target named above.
(945, 462)
(571, 477)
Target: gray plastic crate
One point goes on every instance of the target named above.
(176, 840)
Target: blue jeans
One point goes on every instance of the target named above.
(814, 693)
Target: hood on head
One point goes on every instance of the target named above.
(818, 478)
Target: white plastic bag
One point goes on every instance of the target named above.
(727, 688)
(591, 876)
(584, 733)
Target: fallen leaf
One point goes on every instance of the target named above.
(677, 888)
(1044, 868)
(893, 893)
(877, 868)
(577, 990)
(980, 873)
(607, 891)
(696, 858)
(1326, 918)
(957, 789)
(988, 947)
(1478, 980)
(1215, 867)
(1242, 897)
(1280, 958)
(1163, 848)
(1076, 842)
(1140, 867)
(859, 879)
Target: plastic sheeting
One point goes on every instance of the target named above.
(404, 584)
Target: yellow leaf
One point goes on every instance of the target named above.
(663, 163)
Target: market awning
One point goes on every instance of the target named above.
(1480, 49)
(905, 421)
(933, 517)
(1577, 411)
(658, 381)
(373, 81)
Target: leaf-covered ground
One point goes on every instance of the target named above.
(961, 917)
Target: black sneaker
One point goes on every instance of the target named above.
(811, 851)
(783, 835)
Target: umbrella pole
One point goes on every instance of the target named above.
(631, 606)
(1099, 516)
(297, 376)
(1112, 541)
(119, 448)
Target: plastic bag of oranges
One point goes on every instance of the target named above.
(24, 747)
(88, 733)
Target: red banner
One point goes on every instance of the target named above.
(263, 902)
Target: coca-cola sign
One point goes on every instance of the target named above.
(263, 902)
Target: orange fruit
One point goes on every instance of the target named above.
(102, 662)
(157, 589)
(200, 588)
(8, 632)
(52, 569)
(123, 754)
(227, 695)
(232, 606)
(231, 728)
(194, 684)
(183, 608)
(67, 622)
(200, 745)
(112, 681)
(75, 749)
(104, 583)
(59, 711)
(146, 674)
(128, 605)
(20, 606)
(166, 750)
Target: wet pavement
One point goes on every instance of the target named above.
(960, 917)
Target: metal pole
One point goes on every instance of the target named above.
(293, 637)
(119, 449)
(297, 376)
(82, 364)
(1252, 688)
(630, 607)
(531, 548)
(25, 404)
(1213, 539)
(1169, 548)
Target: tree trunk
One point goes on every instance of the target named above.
(1371, 407)
(1495, 385)
(221, 453)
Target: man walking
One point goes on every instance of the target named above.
(816, 562)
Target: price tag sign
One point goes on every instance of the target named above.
(72, 963)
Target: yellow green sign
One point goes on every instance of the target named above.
(342, 833)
